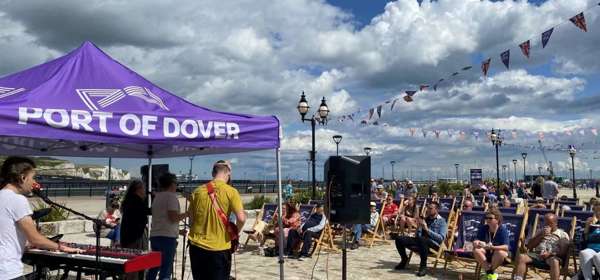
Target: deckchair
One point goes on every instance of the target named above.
(438, 253)
(266, 214)
(378, 232)
(568, 225)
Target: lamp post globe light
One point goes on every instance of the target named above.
(496, 141)
(504, 177)
(572, 152)
(337, 139)
(321, 118)
(392, 163)
(514, 161)
(367, 151)
(524, 156)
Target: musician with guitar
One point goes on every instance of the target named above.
(212, 237)
(15, 217)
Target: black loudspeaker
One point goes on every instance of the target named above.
(157, 171)
(348, 190)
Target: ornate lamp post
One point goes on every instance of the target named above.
(367, 151)
(496, 141)
(337, 139)
(321, 118)
(572, 152)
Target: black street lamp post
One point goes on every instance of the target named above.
(572, 152)
(367, 151)
(504, 176)
(321, 118)
(337, 139)
(190, 173)
(496, 141)
(524, 156)
(514, 161)
(456, 166)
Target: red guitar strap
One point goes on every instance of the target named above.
(233, 234)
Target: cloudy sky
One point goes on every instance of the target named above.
(258, 56)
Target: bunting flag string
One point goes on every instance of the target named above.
(525, 47)
(579, 21)
(505, 56)
(485, 66)
(546, 37)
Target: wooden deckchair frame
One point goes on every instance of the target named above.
(564, 269)
(374, 234)
(259, 218)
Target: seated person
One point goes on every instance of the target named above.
(358, 229)
(390, 211)
(547, 247)
(407, 214)
(467, 205)
(311, 228)
(380, 194)
(590, 256)
(539, 204)
(262, 228)
(490, 248)
(290, 221)
(506, 203)
(431, 232)
(112, 217)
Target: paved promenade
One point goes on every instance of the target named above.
(364, 263)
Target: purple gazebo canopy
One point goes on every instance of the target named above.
(88, 104)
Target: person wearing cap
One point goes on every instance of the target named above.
(431, 232)
(310, 229)
(410, 189)
(539, 204)
(210, 243)
(380, 194)
(358, 229)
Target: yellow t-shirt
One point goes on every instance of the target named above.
(207, 231)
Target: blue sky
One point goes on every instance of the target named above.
(257, 57)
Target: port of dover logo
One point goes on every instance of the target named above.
(6, 92)
(97, 99)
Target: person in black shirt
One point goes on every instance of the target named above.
(135, 213)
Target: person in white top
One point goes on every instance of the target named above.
(165, 225)
(17, 227)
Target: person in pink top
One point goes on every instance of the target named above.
(290, 220)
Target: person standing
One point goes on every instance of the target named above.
(135, 211)
(18, 227)
(550, 189)
(210, 243)
(288, 191)
(165, 225)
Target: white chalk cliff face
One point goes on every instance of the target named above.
(58, 167)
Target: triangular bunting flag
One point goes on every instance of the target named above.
(410, 92)
(466, 68)
(412, 131)
(582, 132)
(505, 56)
(376, 123)
(594, 131)
(485, 66)
(568, 132)
(437, 134)
(379, 111)
(371, 111)
(541, 135)
(424, 133)
(393, 103)
(450, 132)
(546, 37)
(461, 135)
(525, 46)
(454, 74)
(435, 87)
(423, 87)
(579, 21)
(514, 134)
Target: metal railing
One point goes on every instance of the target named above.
(101, 188)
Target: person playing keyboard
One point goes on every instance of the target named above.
(18, 227)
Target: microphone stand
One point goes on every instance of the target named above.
(99, 274)
(185, 225)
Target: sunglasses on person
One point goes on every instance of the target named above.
(490, 217)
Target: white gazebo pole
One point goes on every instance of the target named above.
(279, 222)
(279, 202)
